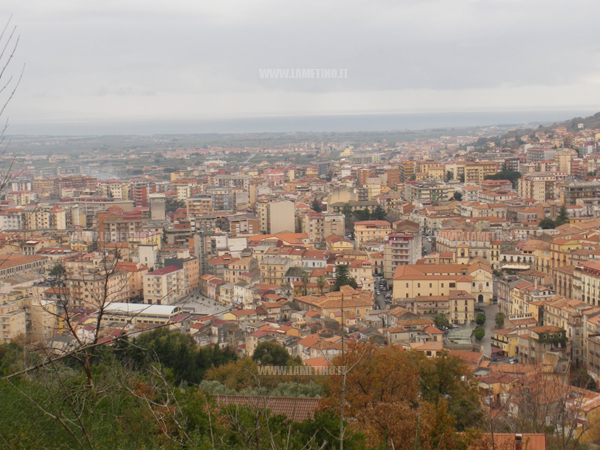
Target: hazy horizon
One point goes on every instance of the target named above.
(135, 66)
(298, 124)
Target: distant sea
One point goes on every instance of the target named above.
(290, 124)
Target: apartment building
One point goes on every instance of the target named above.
(199, 206)
(541, 186)
(427, 191)
(313, 224)
(11, 264)
(273, 269)
(540, 154)
(334, 224)
(586, 282)
(371, 230)
(13, 318)
(92, 290)
(574, 190)
(458, 306)
(401, 249)
(535, 342)
(165, 286)
(568, 314)
(276, 217)
(466, 244)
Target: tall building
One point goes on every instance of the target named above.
(165, 286)
(157, 206)
(541, 186)
(276, 217)
(334, 224)
(574, 190)
(407, 170)
(199, 206)
(540, 154)
(401, 248)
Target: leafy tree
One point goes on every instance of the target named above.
(479, 333)
(480, 319)
(547, 224)
(440, 320)
(347, 211)
(378, 214)
(511, 175)
(269, 354)
(316, 206)
(449, 175)
(362, 214)
(449, 377)
(172, 204)
(581, 379)
(391, 393)
(304, 277)
(563, 217)
(175, 351)
(457, 196)
(342, 277)
(499, 319)
(58, 271)
(321, 282)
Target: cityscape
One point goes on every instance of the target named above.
(481, 250)
(260, 225)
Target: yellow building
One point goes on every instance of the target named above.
(423, 280)
(354, 302)
(371, 230)
(338, 243)
(506, 341)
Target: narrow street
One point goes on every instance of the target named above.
(490, 322)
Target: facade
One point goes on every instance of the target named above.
(541, 186)
(371, 230)
(575, 190)
(93, 290)
(165, 286)
(438, 280)
(276, 217)
(400, 249)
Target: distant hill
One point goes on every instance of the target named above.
(590, 122)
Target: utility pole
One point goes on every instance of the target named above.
(343, 380)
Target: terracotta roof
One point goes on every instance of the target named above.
(165, 271)
(296, 409)
(506, 441)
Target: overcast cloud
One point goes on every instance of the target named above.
(182, 60)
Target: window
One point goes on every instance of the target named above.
(452, 285)
(418, 285)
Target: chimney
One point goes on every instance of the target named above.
(518, 441)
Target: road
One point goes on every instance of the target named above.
(380, 299)
(490, 321)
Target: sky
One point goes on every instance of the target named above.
(167, 61)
